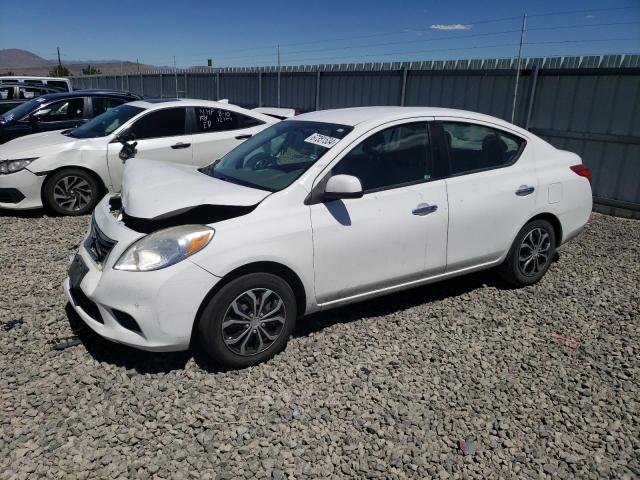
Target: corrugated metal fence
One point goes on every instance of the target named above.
(589, 105)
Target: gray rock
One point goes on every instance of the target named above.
(382, 389)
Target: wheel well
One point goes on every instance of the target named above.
(273, 268)
(96, 177)
(555, 223)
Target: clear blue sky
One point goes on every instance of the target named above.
(245, 32)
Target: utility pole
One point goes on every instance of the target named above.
(175, 72)
(141, 81)
(278, 57)
(515, 90)
(279, 76)
(59, 62)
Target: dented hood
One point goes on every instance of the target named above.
(156, 190)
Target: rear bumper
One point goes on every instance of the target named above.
(147, 310)
(21, 190)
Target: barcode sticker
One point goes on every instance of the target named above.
(322, 140)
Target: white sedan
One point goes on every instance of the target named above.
(68, 171)
(318, 211)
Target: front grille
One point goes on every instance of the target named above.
(98, 245)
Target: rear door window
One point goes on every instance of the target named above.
(210, 120)
(6, 93)
(168, 122)
(58, 85)
(27, 93)
(102, 104)
(475, 147)
(71, 109)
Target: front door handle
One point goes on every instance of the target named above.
(180, 145)
(424, 209)
(244, 137)
(525, 190)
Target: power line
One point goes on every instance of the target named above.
(425, 40)
(426, 29)
(476, 47)
(406, 31)
(590, 10)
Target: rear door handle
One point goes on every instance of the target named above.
(180, 145)
(524, 190)
(243, 137)
(424, 209)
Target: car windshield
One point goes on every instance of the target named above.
(106, 123)
(274, 158)
(23, 109)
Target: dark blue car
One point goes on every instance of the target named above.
(59, 111)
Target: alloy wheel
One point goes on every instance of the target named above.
(534, 252)
(72, 193)
(253, 321)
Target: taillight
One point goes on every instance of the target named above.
(582, 170)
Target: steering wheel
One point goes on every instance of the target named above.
(262, 160)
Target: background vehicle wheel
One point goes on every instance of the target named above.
(71, 192)
(248, 321)
(530, 255)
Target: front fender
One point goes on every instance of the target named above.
(92, 160)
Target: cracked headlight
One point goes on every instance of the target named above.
(164, 248)
(12, 166)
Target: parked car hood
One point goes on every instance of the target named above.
(37, 145)
(158, 194)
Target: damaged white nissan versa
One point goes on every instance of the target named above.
(327, 208)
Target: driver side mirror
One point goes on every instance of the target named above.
(125, 137)
(342, 186)
(34, 118)
(128, 145)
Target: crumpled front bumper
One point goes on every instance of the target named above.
(163, 303)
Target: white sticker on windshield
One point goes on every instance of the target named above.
(322, 140)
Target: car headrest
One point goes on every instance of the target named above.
(448, 138)
(494, 143)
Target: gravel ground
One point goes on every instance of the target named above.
(542, 381)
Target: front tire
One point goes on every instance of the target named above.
(248, 321)
(530, 254)
(71, 191)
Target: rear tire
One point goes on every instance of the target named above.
(530, 254)
(71, 191)
(248, 321)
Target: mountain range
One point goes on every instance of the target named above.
(23, 62)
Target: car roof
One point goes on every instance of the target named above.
(27, 77)
(85, 93)
(379, 115)
(156, 103)
(105, 91)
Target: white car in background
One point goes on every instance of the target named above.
(277, 112)
(317, 211)
(68, 171)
